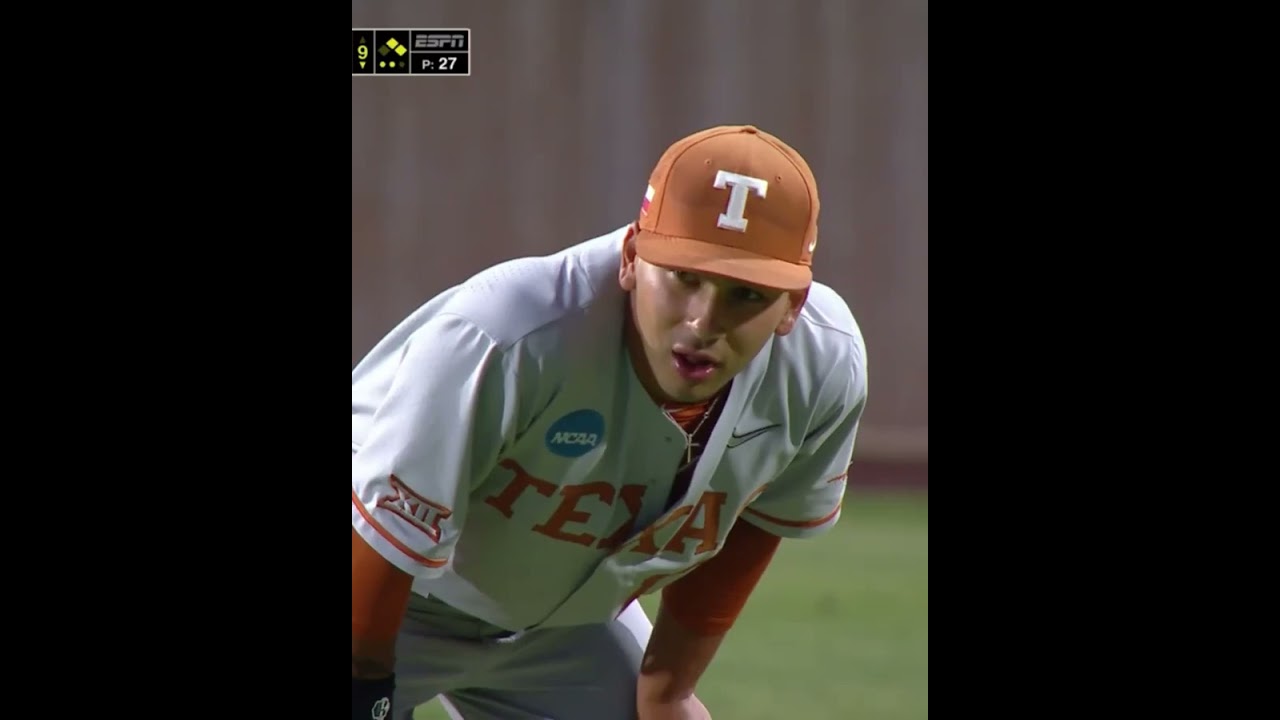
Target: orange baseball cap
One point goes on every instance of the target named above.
(734, 201)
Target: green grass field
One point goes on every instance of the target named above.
(838, 628)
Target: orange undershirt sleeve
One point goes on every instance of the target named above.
(379, 596)
(709, 599)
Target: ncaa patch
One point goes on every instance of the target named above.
(576, 434)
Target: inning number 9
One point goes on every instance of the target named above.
(362, 51)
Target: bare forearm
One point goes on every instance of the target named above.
(697, 612)
(372, 680)
(367, 668)
(379, 596)
(372, 658)
(674, 661)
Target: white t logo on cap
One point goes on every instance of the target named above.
(732, 217)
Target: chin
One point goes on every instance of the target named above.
(681, 391)
(682, 395)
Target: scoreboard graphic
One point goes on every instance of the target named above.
(411, 51)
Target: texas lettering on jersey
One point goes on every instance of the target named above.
(702, 520)
(510, 460)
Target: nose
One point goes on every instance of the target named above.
(705, 313)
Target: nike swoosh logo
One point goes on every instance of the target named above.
(737, 439)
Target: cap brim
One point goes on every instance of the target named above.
(730, 262)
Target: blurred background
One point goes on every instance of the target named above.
(551, 140)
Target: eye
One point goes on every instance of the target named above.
(686, 278)
(746, 294)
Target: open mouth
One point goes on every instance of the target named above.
(693, 366)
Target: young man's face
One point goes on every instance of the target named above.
(695, 332)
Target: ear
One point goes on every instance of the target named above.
(796, 302)
(627, 268)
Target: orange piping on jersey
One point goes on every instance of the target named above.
(422, 559)
(750, 498)
(794, 523)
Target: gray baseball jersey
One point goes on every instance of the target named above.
(505, 454)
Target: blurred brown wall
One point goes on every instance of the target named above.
(569, 104)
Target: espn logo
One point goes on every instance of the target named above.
(418, 511)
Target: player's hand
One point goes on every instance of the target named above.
(691, 708)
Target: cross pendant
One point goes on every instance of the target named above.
(688, 454)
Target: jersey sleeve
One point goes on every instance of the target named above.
(806, 499)
(438, 431)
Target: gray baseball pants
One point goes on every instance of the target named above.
(482, 672)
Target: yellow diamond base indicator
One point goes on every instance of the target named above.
(401, 51)
(392, 43)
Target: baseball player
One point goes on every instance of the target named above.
(649, 411)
